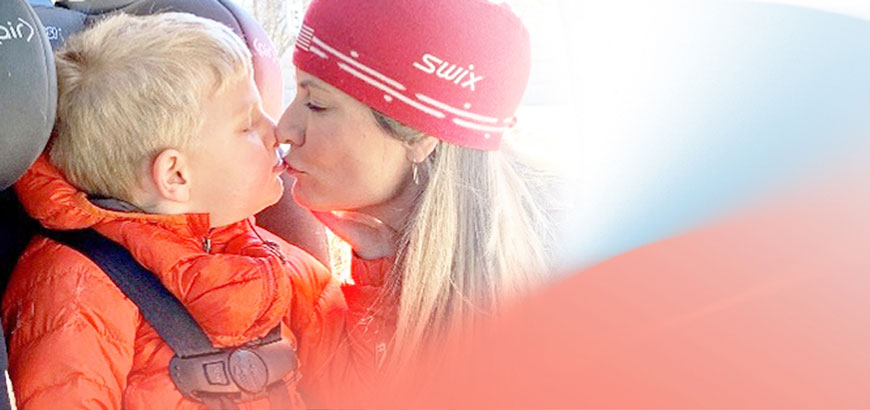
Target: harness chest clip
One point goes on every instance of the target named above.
(239, 374)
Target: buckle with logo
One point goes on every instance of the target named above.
(248, 370)
(242, 373)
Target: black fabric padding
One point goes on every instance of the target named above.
(16, 229)
(28, 89)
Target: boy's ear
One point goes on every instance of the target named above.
(419, 150)
(171, 175)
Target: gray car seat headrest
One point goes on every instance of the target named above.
(267, 68)
(94, 6)
(59, 22)
(28, 89)
(70, 16)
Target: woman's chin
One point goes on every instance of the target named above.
(316, 203)
(302, 199)
(312, 206)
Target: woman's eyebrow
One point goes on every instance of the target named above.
(312, 84)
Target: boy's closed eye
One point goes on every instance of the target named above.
(248, 123)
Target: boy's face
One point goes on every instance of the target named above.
(235, 171)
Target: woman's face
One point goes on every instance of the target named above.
(340, 158)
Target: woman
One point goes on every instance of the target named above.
(394, 134)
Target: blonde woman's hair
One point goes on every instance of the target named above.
(476, 239)
(132, 86)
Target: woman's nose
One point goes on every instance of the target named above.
(291, 126)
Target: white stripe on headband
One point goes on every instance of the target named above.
(304, 37)
(388, 90)
(461, 113)
(359, 65)
(309, 38)
(478, 127)
(319, 52)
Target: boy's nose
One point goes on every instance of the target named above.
(291, 126)
(268, 132)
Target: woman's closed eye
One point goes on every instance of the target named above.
(314, 107)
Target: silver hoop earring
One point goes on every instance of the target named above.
(415, 173)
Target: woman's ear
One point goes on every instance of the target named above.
(419, 150)
(170, 174)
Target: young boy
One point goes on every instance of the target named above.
(160, 145)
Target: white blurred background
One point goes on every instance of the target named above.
(664, 115)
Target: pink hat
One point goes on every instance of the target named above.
(453, 69)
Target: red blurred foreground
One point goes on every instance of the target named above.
(768, 309)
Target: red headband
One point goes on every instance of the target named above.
(453, 69)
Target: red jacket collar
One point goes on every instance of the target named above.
(50, 199)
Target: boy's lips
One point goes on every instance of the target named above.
(281, 151)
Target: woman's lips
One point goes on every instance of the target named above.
(280, 167)
(291, 170)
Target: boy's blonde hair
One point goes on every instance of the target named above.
(133, 86)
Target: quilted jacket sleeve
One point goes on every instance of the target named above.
(236, 294)
(75, 350)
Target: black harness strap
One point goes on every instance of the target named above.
(159, 307)
(216, 377)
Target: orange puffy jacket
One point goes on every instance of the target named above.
(76, 341)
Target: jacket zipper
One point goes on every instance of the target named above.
(206, 244)
(274, 248)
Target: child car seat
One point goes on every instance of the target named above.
(28, 94)
(28, 110)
